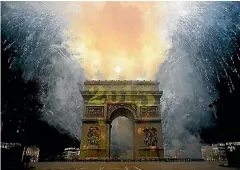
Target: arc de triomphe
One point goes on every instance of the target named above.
(106, 100)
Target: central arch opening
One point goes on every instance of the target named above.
(122, 134)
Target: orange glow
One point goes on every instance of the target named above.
(102, 136)
(129, 35)
(139, 131)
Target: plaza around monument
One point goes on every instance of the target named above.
(130, 166)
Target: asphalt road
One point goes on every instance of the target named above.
(130, 166)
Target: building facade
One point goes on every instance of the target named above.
(5, 145)
(213, 153)
(174, 154)
(71, 154)
(33, 152)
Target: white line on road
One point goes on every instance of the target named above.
(136, 168)
(101, 168)
(125, 168)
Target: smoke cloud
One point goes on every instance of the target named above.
(128, 35)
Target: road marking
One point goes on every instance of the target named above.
(101, 168)
(125, 168)
(137, 168)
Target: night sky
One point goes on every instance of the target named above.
(28, 83)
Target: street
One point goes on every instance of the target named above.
(130, 166)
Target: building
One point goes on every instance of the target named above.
(232, 146)
(5, 145)
(33, 152)
(174, 154)
(71, 154)
(213, 153)
(233, 152)
(229, 151)
(11, 154)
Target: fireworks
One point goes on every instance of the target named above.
(187, 46)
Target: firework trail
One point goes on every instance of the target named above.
(187, 46)
(201, 46)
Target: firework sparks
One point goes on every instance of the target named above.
(187, 46)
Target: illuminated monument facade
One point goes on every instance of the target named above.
(106, 100)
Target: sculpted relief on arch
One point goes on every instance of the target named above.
(94, 111)
(93, 136)
(150, 137)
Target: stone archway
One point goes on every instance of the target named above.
(123, 111)
(130, 108)
(101, 107)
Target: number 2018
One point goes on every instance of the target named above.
(101, 95)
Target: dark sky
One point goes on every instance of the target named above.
(21, 106)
